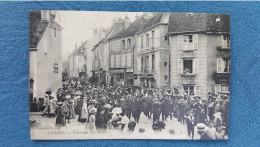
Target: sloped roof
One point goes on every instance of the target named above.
(183, 22)
(80, 49)
(37, 28)
(222, 26)
(153, 20)
(134, 27)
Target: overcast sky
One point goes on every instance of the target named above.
(78, 25)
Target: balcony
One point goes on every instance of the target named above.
(188, 54)
(188, 78)
(221, 77)
(223, 47)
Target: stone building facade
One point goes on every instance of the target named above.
(196, 42)
(45, 54)
(152, 66)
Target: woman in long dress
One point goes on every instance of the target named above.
(83, 116)
(60, 120)
(72, 109)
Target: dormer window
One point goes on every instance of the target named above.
(217, 19)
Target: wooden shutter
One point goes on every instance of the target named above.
(180, 42)
(180, 66)
(195, 39)
(219, 65)
(195, 65)
(196, 90)
(217, 88)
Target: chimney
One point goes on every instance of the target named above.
(119, 25)
(127, 21)
(45, 15)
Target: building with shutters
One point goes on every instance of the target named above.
(122, 47)
(199, 53)
(101, 51)
(152, 52)
(77, 63)
(45, 51)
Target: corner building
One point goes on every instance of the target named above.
(199, 53)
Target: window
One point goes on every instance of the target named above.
(142, 63)
(55, 32)
(187, 66)
(122, 76)
(225, 40)
(187, 42)
(165, 77)
(223, 65)
(187, 38)
(147, 40)
(165, 63)
(142, 41)
(128, 43)
(153, 62)
(147, 63)
(188, 90)
(152, 38)
(226, 66)
(222, 88)
(123, 44)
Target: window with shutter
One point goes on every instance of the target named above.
(220, 65)
(195, 41)
(197, 90)
(179, 41)
(195, 65)
(217, 88)
(180, 65)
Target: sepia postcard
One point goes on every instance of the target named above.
(129, 75)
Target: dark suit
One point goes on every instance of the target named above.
(190, 125)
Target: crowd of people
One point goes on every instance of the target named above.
(118, 107)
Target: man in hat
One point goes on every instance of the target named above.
(190, 120)
(201, 128)
(156, 110)
(182, 109)
(137, 109)
(100, 121)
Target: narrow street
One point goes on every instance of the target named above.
(145, 123)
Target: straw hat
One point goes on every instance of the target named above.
(201, 127)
